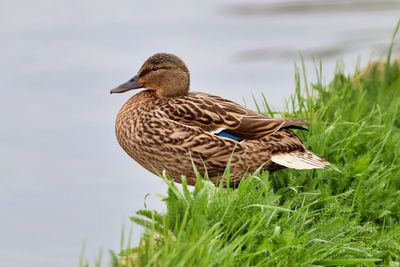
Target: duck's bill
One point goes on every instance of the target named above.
(129, 85)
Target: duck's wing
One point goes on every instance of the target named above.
(219, 114)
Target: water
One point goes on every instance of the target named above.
(63, 177)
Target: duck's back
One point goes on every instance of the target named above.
(168, 134)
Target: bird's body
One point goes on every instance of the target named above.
(166, 130)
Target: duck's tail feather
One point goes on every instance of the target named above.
(299, 160)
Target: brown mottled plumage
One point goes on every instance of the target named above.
(163, 126)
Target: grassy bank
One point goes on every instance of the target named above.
(348, 214)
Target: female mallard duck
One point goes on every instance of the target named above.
(165, 127)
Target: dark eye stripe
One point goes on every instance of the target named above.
(145, 71)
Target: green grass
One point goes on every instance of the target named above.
(347, 214)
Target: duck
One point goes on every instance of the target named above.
(169, 129)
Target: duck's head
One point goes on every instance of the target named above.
(165, 74)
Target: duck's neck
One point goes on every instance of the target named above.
(175, 86)
(168, 92)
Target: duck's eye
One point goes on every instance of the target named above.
(154, 68)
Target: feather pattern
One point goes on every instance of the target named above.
(166, 128)
(160, 134)
(208, 110)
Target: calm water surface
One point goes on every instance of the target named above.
(63, 177)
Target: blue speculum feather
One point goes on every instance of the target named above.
(225, 134)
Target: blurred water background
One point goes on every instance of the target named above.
(63, 177)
